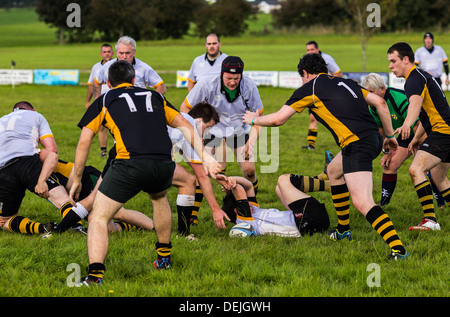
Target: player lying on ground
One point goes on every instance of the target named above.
(305, 215)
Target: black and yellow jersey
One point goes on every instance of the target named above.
(137, 120)
(435, 112)
(339, 105)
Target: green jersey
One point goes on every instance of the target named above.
(397, 103)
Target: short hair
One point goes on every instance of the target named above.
(105, 45)
(126, 40)
(312, 64)
(313, 43)
(23, 105)
(373, 81)
(403, 49)
(216, 35)
(205, 111)
(120, 72)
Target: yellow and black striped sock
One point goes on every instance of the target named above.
(312, 137)
(381, 222)
(255, 186)
(197, 203)
(341, 202)
(25, 226)
(446, 195)
(313, 184)
(70, 218)
(163, 249)
(425, 194)
(96, 271)
(126, 226)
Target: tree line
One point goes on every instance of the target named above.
(153, 20)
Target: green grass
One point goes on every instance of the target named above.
(216, 265)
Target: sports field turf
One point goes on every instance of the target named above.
(215, 265)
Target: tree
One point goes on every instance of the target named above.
(364, 14)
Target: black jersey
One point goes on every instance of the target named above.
(339, 105)
(137, 118)
(435, 112)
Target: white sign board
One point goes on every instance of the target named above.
(16, 76)
(182, 78)
(263, 78)
(289, 80)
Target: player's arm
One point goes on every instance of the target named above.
(271, 120)
(90, 93)
(184, 107)
(385, 117)
(415, 104)
(81, 156)
(207, 190)
(162, 89)
(191, 84)
(49, 164)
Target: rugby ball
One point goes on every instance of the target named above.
(242, 230)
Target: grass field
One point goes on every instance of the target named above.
(215, 265)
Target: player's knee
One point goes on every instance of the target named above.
(283, 180)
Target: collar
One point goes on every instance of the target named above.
(412, 68)
(123, 85)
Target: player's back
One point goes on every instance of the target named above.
(137, 119)
(20, 134)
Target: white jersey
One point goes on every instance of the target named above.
(94, 75)
(333, 68)
(179, 143)
(273, 222)
(145, 75)
(21, 131)
(431, 62)
(202, 67)
(210, 89)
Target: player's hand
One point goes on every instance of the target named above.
(213, 168)
(404, 131)
(413, 146)
(218, 216)
(41, 189)
(74, 192)
(249, 116)
(385, 161)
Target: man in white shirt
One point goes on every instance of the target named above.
(21, 169)
(106, 52)
(209, 63)
(431, 58)
(146, 76)
(232, 94)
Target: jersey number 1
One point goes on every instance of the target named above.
(348, 88)
(132, 106)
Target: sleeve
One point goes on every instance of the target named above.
(191, 76)
(415, 85)
(255, 102)
(170, 111)
(94, 116)
(364, 91)
(417, 57)
(196, 95)
(333, 66)
(44, 128)
(301, 98)
(92, 76)
(152, 78)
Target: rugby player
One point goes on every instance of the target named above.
(333, 69)
(341, 106)
(428, 102)
(209, 63)
(137, 118)
(231, 93)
